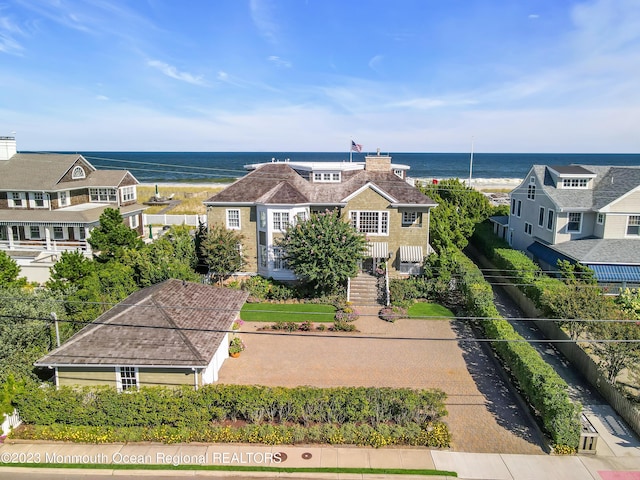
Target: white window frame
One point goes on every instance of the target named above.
(279, 262)
(233, 218)
(410, 218)
(513, 206)
(579, 222)
(128, 194)
(38, 197)
(134, 221)
(60, 229)
(550, 219)
(31, 229)
(381, 222)
(633, 221)
(326, 177)
(64, 199)
(575, 183)
(398, 172)
(531, 191)
(541, 217)
(17, 196)
(280, 220)
(528, 228)
(263, 219)
(264, 256)
(103, 195)
(600, 218)
(136, 378)
(519, 209)
(78, 173)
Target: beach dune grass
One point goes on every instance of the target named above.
(287, 312)
(429, 311)
(190, 197)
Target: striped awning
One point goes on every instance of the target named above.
(411, 253)
(378, 249)
(616, 273)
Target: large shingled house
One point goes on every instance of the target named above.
(50, 202)
(580, 213)
(373, 195)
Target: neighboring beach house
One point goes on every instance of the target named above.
(172, 333)
(373, 195)
(581, 213)
(50, 202)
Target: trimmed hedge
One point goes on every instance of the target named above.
(519, 269)
(186, 407)
(543, 388)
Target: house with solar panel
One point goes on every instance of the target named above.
(49, 203)
(374, 196)
(580, 213)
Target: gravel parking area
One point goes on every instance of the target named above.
(483, 415)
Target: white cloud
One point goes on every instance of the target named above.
(279, 62)
(8, 33)
(262, 14)
(534, 16)
(173, 72)
(375, 62)
(102, 98)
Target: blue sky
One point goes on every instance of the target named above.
(310, 75)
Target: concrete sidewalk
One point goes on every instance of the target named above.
(468, 466)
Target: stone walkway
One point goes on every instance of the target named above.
(483, 415)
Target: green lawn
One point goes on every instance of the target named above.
(287, 312)
(429, 311)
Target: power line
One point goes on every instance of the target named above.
(348, 335)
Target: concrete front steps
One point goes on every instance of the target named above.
(363, 290)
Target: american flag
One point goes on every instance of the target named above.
(356, 147)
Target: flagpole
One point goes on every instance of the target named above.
(351, 151)
(471, 163)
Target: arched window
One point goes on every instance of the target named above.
(78, 172)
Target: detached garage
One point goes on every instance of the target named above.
(173, 333)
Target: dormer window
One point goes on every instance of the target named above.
(78, 173)
(575, 182)
(326, 177)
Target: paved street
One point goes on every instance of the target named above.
(483, 415)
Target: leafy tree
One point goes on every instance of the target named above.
(220, 250)
(89, 288)
(171, 256)
(9, 271)
(324, 250)
(578, 299)
(112, 237)
(629, 302)
(25, 329)
(459, 209)
(615, 356)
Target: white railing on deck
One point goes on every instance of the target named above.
(159, 219)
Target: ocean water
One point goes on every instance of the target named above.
(149, 167)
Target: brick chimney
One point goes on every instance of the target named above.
(7, 147)
(377, 162)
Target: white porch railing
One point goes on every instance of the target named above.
(159, 219)
(41, 245)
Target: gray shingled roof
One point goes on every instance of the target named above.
(43, 171)
(602, 250)
(279, 183)
(63, 215)
(171, 309)
(610, 184)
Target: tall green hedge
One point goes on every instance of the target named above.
(543, 388)
(189, 408)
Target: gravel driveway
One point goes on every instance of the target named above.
(483, 415)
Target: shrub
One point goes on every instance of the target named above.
(392, 313)
(342, 326)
